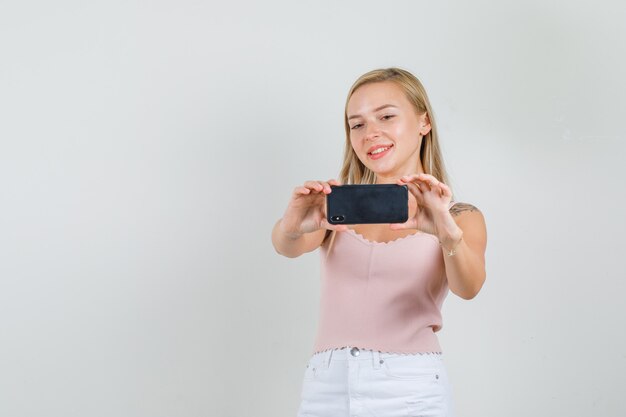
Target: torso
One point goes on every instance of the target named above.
(380, 232)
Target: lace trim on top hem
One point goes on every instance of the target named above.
(391, 352)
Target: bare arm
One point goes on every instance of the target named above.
(463, 228)
(294, 246)
(460, 229)
(303, 226)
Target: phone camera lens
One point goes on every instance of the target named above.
(338, 218)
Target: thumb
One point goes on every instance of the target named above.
(399, 226)
(338, 227)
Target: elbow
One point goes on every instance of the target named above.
(468, 295)
(278, 251)
(286, 254)
(281, 251)
(472, 291)
(283, 246)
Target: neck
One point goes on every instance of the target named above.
(392, 178)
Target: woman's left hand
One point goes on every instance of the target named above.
(430, 203)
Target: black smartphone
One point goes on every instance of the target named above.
(367, 203)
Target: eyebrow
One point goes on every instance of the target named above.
(384, 106)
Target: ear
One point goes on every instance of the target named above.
(424, 124)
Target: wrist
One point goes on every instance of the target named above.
(450, 245)
(449, 235)
(289, 234)
(447, 231)
(450, 238)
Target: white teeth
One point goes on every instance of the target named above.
(379, 150)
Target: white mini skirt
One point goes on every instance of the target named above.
(353, 382)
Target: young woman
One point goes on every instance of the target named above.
(382, 287)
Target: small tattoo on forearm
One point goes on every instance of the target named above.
(459, 208)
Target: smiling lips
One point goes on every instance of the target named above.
(378, 151)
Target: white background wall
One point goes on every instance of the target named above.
(147, 148)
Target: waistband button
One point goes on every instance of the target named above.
(355, 351)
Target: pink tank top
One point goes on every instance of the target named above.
(381, 296)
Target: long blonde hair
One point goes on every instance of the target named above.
(353, 170)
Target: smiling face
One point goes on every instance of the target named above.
(386, 131)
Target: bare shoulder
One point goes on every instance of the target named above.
(466, 214)
(459, 208)
(471, 220)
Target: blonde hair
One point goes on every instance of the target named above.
(353, 170)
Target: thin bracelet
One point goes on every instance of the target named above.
(452, 252)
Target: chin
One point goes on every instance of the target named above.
(381, 169)
(384, 173)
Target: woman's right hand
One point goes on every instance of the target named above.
(306, 211)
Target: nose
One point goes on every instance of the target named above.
(372, 131)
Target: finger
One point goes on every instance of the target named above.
(416, 191)
(301, 190)
(427, 177)
(426, 185)
(326, 187)
(334, 182)
(314, 186)
(431, 180)
(409, 178)
(445, 190)
(422, 180)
